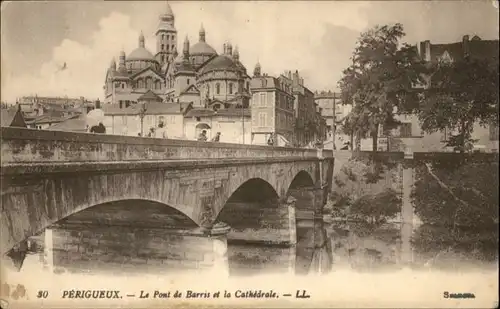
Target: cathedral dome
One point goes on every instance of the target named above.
(202, 49)
(219, 63)
(140, 53)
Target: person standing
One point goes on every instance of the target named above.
(216, 138)
(161, 131)
(100, 128)
(270, 141)
(203, 136)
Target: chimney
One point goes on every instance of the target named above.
(465, 45)
(296, 77)
(301, 81)
(427, 55)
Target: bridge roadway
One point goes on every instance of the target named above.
(48, 176)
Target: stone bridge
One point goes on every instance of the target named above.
(48, 177)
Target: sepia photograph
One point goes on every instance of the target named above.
(249, 154)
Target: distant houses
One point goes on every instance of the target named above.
(12, 117)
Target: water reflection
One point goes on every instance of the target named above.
(311, 254)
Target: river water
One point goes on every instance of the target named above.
(353, 271)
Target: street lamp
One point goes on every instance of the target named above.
(142, 114)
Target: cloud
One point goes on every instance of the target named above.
(86, 64)
(281, 36)
(316, 38)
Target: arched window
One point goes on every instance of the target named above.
(188, 81)
(167, 47)
(162, 58)
(148, 82)
(217, 88)
(168, 37)
(140, 83)
(123, 85)
(230, 88)
(162, 47)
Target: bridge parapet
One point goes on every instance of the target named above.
(21, 145)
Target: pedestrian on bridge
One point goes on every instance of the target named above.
(161, 131)
(203, 136)
(216, 138)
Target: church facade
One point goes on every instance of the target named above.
(212, 92)
(197, 75)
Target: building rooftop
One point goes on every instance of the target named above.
(154, 108)
(205, 112)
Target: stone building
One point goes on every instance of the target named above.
(211, 84)
(307, 125)
(198, 74)
(410, 134)
(272, 108)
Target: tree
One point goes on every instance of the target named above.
(380, 80)
(461, 93)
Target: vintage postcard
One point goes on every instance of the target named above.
(249, 154)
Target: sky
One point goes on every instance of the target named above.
(316, 38)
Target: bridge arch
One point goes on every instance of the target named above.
(254, 192)
(59, 214)
(143, 213)
(301, 180)
(257, 219)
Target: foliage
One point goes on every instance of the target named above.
(379, 81)
(378, 208)
(464, 215)
(362, 201)
(461, 93)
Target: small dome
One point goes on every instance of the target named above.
(202, 49)
(140, 53)
(222, 62)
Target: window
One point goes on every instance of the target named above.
(493, 132)
(270, 98)
(217, 88)
(188, 81)
(445, 136)
(161, 119)
(208, 90)
(263, 99)
(405, 130)
(163, 37)
(162, 58)
(198, 118)
(162, 47)
(168, 37)
(230, 88)
(167, 47)
(262, 119)
(123, 86)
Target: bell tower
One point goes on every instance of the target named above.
(166, 37)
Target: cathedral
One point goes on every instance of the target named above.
(197, 75)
